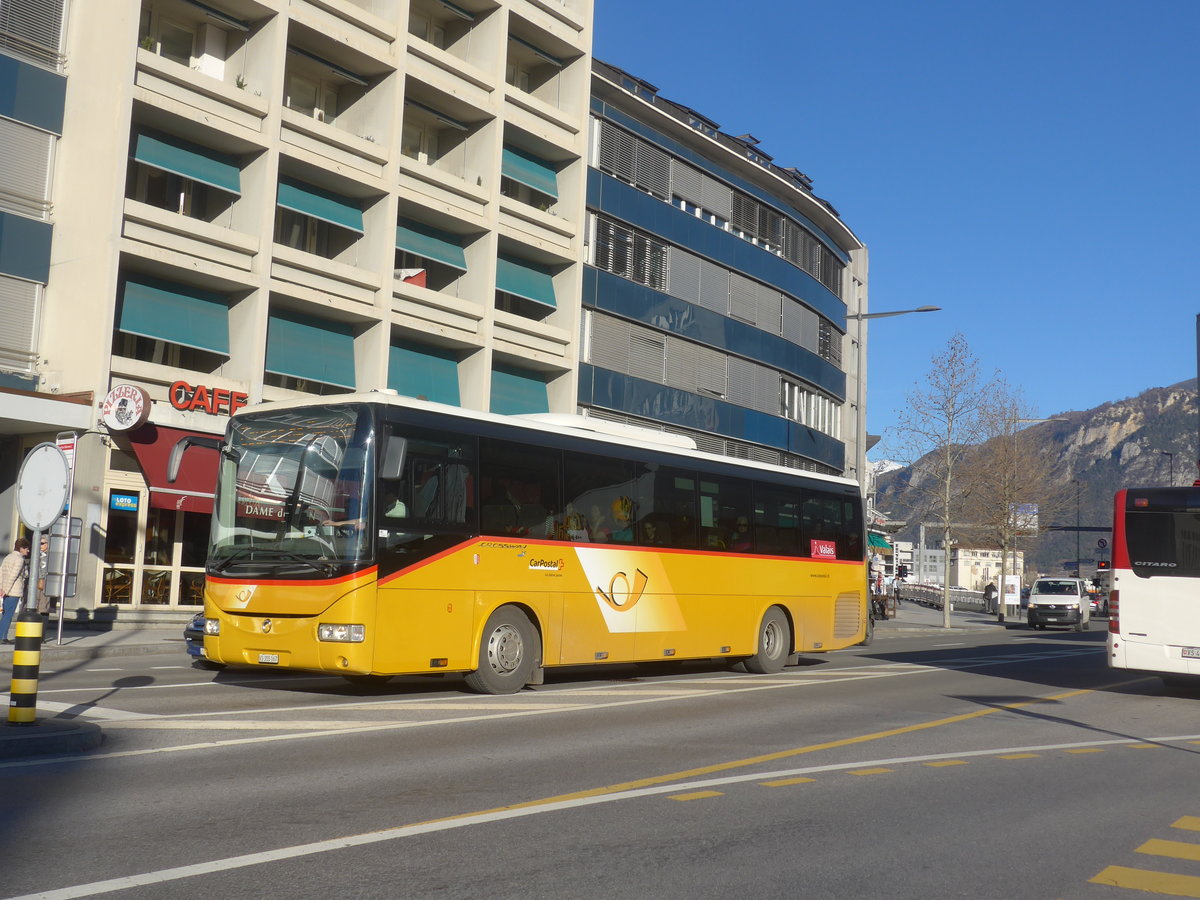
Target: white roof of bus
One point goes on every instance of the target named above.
(599, 430)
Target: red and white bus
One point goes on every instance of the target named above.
(1154, 605)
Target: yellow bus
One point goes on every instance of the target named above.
(370, 535)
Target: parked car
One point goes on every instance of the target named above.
(193, 639)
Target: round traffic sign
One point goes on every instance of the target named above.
(42, 486)
(1102, 543)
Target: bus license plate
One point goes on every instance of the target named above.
(1191, 652)
(268, 657)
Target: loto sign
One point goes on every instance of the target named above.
(214, 401)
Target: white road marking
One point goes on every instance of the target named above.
(177, 873)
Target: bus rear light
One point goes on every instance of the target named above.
(342, 634)
(1114, 611)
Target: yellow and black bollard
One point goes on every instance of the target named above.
(27, 659)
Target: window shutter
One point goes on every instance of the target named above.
(25, 174)
(687, 182)
(742, 294)
(717, 197)
(711, 371)
(647, 353)
(609, 346)
(653, 170)
(681, 364)
(714, 287)
(770, 303)
(741, 381)
(18, 311)
(618, 152)
(685, 274)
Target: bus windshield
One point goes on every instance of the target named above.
(1162, 530)
(293, 494)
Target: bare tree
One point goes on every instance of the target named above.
(1008, 480)
(935, 432)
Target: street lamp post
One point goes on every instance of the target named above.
(861, 393)
(1171, 463)
(1078, 564)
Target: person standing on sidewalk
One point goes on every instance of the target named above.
(13, 573)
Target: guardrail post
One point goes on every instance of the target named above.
(27, 659)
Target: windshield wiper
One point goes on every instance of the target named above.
(225, 563)
(323, 568)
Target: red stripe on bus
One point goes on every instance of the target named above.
(1120, 553)
(370, 570)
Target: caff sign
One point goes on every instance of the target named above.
(125, 407)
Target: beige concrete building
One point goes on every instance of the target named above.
(254, 199)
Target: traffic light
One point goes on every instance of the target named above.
(1102, 565)
(902, 571)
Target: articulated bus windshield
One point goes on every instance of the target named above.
(1162, 532)
(293, 494)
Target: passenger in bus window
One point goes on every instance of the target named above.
(654, 535)
(740, 541)
(597, 525)
(622, 509)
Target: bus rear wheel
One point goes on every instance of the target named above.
(774, 644)
(507, 653)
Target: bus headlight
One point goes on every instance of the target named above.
(342, 634)
(212, 626)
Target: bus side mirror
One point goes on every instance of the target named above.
(393, 457)
(191, 440)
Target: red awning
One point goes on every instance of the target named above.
(193, 490)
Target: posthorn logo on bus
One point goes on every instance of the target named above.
(549, 565)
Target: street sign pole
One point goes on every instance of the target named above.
(42, 491)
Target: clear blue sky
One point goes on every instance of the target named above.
(1030, 166)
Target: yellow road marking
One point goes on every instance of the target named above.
(1191, 823)
(878, 770)
(784, 782)
(688, 774)
(696, 795)
(1087, 750)
(937, 764)
(1145, 746)
(1019, 755)
(1174, 849)
(1154, 882)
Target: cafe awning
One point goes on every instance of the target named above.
(193, 490)
(878, 542)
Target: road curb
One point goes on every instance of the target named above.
(48, 738)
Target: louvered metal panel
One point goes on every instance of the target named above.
(32, 29)
(685, 274)
(609, 345)
(770, 303)
(767, 389)
(650, 262)
(681, 364)
(687, 182)
(800, 325)
(743, 297)
(647, 355)
(848, 611)
(717, 197)
(653, 170)
(24, 175)
(711, 371)
(19, 312)
(745, 214)
(714, 287)
(618, 152)
(741, 382)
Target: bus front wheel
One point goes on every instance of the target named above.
(774, 644)
(507, 653)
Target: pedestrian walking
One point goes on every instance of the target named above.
(989, 597)
(13, 574)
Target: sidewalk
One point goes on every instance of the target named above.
(913, 618)
(50, 735)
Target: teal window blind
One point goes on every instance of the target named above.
(525, 279)
(531, 171)
(518, 391)
(309, 348)
(431, 243)
(180, 157)
(320, 204)
(418, 370)
(175, 313)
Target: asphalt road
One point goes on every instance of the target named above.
(994, 764)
